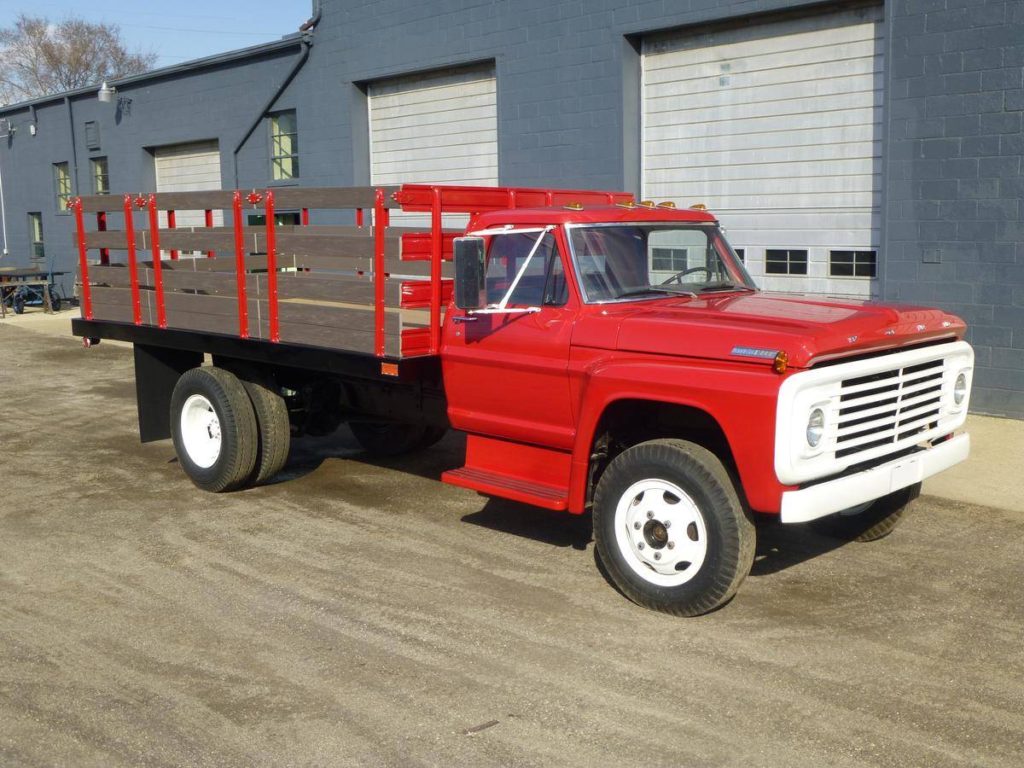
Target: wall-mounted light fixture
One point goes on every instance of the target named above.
(106, 93)
(6, 128)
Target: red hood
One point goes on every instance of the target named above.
(752, 327)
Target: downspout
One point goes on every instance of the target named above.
(3, 213)
(306, 42)
(74, 149)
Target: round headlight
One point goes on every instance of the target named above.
(960, 389)
(815, 427)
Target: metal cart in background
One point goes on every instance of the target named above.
(26, 287)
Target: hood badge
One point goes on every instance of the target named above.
(760, 354)
(852, 339)
(889, 331)
(920, 326)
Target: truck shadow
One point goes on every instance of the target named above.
(558, 529)
(782, 546)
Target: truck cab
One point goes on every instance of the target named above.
(620, 359)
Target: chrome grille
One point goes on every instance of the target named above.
(889, 406)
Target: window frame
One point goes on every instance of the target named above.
(34, 218)
(94, 177)
(273, 121)
(61, 197)
(804, 262)
(854, 263)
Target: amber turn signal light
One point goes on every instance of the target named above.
(781, 362)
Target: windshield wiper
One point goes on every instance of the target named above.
(714, 287)
(655, 289)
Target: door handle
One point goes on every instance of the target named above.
(465, 318)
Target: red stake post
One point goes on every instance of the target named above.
(133, 266)
(379, 224)
(172, 222)
(209, 224)
(435, 272)
(275, 331)
(158, 276)
(101, 226)
(83, 261)
(243, 304)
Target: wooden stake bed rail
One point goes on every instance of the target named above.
(370, 288)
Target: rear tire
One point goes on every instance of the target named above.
(875, 521)
(273, 426)
(670, 529)
(213, 426)
(385, 439)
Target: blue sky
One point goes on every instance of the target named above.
(177, 30)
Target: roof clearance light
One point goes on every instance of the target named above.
(698, 207)
(627, 204)
(646, 203)
(781, 362)
(666, 204)
(573, 206)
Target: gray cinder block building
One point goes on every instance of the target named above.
(868, 149)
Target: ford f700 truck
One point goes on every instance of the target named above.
(600, 354)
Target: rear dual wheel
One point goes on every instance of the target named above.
(228, 432)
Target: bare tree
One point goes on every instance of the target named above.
(38, 57)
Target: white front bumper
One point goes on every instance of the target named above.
(836, 495)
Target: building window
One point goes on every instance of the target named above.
(100, 176)
(852, 263)
(62, 185)
(284, 146)
(741, 254)
(668, 259)
(785, 262)
(281, 219)
(35, 236)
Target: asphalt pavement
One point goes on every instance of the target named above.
(361, 613)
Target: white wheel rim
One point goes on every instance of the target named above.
(660, 532)
(200, 431)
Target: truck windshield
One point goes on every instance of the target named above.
(620, 262)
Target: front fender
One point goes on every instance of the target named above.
(741, 398)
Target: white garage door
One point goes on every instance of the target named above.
(435, 128)
(188, 168)
(776, 128)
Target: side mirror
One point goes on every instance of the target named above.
(470, 292)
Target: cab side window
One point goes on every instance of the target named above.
(544, 281)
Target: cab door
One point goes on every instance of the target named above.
(506, 374)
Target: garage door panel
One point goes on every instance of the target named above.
(770, 124)
(716, 47)
(802, 185)
(778, 155)
(725, 113)
(781, 139)
(758, 172)
(854, 87)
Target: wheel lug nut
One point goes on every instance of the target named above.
(671, 545)
(667, 523)
(636, 526)
(657, 555)
(640, 545)
(650, 515)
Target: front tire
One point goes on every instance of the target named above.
(869, 523)
(214, 430)
(670, 529)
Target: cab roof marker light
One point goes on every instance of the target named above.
(666, 204)
(573, 206)
(646, 203)
(627, 204)
(698, 207)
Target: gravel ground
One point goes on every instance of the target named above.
(362, 613)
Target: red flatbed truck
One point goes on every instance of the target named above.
(600, 354)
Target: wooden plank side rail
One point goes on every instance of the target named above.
(376, 289)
